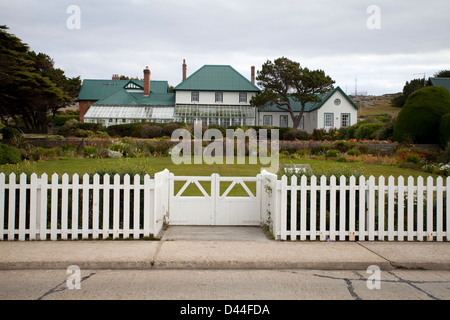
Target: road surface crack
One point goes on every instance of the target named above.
(62, 286)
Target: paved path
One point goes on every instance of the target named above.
(252, 250)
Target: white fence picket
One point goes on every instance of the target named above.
(332, 232)
(3, 188)
(362, 209)
(410, 211)
(43, 207)
(439, 209)
(96, 206)
(400, 208)
(303, 213)
(352, 208)
(64, 206)
(12, 206)
(34, 207)
(54, 208)
(293, 213)
(429, 208)
(75, 205)
(106, 206)
(126, 206)
(381, 208)
(22, 206)
(447, 217)
(420, 191)
(342, 208)
(312, 207)
(323, 207)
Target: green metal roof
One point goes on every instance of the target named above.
(124, 98)
(97, 89)
(310, 106)
(217, 78)
(441, 82)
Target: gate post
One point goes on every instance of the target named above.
(160, 200)
(270, 214)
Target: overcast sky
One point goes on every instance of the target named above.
(407, 39)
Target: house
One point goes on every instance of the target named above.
(115, 101)
(441, 82)
(335, 110)
(215, 94)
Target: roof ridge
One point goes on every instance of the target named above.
(222, 80)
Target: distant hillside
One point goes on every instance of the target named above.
(375, 105)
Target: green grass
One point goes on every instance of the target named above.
(156, 164)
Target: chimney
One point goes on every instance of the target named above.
(115, 77)
(146, 81)
(253, 75)
(184, 69)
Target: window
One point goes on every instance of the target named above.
(219, 96)
(194, 96)
(345, 119)
(267, 120)
(283, 121)
(242, 97)
(329, 120)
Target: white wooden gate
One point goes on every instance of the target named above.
(216, 200)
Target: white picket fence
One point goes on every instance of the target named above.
(35, 208)
(359, 210)
(39, 209)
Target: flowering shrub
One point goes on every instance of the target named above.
(412, 156)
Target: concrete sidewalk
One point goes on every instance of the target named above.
(250, 253)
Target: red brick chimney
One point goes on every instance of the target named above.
(253, 75)
(115, 77)
(146, 81)
(184, 69)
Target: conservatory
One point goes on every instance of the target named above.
(112, 115)
(233, 115)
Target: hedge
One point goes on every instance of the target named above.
(419, 119)
(444, 129)
(9, 154)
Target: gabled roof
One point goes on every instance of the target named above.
(217, 78)
(97, 89)
(124, 98)
(441, 82)
(310, 106)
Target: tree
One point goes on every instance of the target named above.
(442, 74)
(284, 82)
(419, 120)
(30, 86)
(408, 88)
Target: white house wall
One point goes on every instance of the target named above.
(276, 119)
(209, 97)
(315, 119)
(337, 111)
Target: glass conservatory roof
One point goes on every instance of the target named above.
(130, 112)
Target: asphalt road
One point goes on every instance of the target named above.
(224, 285)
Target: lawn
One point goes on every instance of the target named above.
(152, 165)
